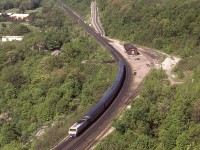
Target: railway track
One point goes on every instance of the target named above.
(98, 129)
(135, 93)
(86, 139)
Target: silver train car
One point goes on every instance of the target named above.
(101, 106)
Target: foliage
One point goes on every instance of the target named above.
(169, 25)
(163, 117)
(22, 5)
(82, 7)
(15, 29)
(38, 88)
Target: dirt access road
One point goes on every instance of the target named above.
(140, 65)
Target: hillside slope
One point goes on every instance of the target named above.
(164, 117)
(171, 25)
(41, 90)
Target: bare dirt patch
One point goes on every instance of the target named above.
(168, 64)
(140, 65)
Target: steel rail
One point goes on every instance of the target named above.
(77, 141)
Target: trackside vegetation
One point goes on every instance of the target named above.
(19, 6)
(165, 116)
(42, 90)
(172, 26)
(81, 7)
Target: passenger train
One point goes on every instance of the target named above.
(101, 106)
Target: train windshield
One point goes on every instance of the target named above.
(81, 121)
(72, 129)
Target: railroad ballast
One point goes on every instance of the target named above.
(101, 106)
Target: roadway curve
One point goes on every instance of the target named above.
(95, 18)
(96, 128)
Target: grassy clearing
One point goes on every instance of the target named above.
(16, 10)
(32, 28)
(7, 24)
(35, 10)
(13, 10)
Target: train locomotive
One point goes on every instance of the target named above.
(102, 104)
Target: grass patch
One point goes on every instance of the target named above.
(13, 10)
(7, 24)
(16, 10)
(32, 28)
(35, 10)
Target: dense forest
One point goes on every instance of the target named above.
(171, 25)
(21, 5)
(40, 90)
(164, 116)
(82, 7)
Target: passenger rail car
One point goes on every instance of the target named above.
(101, 106)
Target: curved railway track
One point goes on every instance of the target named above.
(106, 130)
(87, 139)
